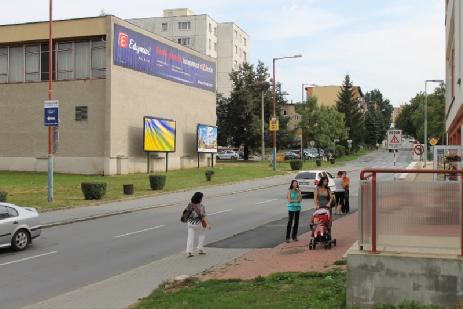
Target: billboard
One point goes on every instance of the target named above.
(207, 138)
(141, 53)
(159, 135)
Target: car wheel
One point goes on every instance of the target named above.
(20, 240)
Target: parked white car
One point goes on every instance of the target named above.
(228, 155)
(308, 180)
(18, 226)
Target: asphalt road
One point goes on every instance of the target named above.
(67, 257)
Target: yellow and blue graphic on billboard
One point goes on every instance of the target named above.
(159, 135)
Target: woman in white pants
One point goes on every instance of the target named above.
(197, 224)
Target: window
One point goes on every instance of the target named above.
(12, 212)
(215, 45)
(236, 49)
(16, 65)
(164, 26)
(32, 63)
(82, 56)
(65, 61)
(244, 41)
(210, 28)
(98, 58)
(4, 65)
(81, 113)
(184, 41)
(4, 213)
(71, 60)
(235, 65)
(236, 34)
(245, 56)
(210, 44)
(44, 62)
(184, 25)
(215, 30)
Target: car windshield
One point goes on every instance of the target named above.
(305, 175)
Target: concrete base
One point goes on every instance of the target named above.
(389, 278)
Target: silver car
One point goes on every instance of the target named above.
(18, 226)
(308, 180)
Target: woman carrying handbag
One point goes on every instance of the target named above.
(197, 224)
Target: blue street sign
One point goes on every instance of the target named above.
(51, 114)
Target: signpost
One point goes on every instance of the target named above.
(51, 120)
(51, 113)
(394, 143)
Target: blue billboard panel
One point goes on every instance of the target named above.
(141, 53)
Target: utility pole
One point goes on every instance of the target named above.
(263, 128)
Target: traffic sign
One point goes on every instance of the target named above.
(433, 141)
(274, 125)
(418, 149)
(394, 139)
(51, 113)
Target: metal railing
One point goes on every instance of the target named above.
(419, 215)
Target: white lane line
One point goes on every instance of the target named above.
(28, 258)
(140, 231)
(219, 212)
(267, 201)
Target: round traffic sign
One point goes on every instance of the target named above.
(418, 149)
(433, 141)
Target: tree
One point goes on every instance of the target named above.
(353, 116)
(411, 118)
(321, 124)
(379, 112)
(239, 117)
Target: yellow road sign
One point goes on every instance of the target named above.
(274, 125)
(433, 141)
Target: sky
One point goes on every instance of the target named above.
(392, 45)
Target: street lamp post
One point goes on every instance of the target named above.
(426, 116)
(274, 133)
(50, 96)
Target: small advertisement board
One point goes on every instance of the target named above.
(159, 135)
(207, 138)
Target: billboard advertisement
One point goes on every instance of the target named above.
(207, 138)
(141, 53)
(159, 135)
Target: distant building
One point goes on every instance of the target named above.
(395, 113)
(454, 68)
(289, 111)
(226, 42)
(328, 95)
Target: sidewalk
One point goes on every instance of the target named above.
(292, 257)
(66, 216)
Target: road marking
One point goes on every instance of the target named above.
(140, 231)
(220, 212)
(267, 201)
(28, 258)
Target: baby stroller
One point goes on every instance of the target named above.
(320, 225)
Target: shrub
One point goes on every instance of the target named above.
(332, 160)
(296, 165)
(3, 196)
(318, 162)
(340, 151)
(157, 182)
(209, 174)
(93, 190)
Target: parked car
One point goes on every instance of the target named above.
(18, 226)
(290, 155)
(308, 180)
(228, 155)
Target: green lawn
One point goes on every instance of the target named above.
(30, 189)
(281, 290)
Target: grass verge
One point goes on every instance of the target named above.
(281, 290)
(30, 189)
